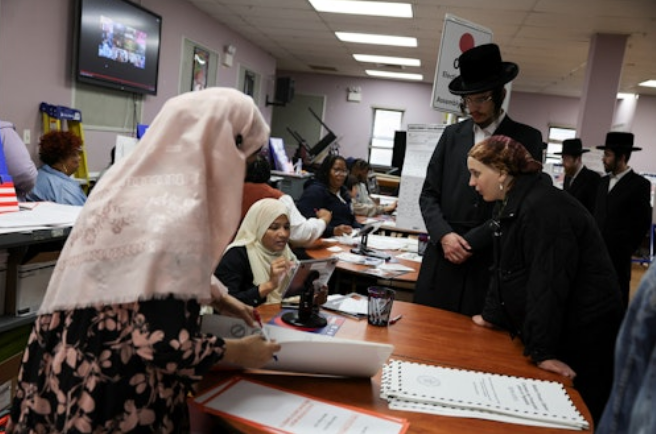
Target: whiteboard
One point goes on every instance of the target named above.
(420, 144)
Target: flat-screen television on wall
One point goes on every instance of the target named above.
(117, 45)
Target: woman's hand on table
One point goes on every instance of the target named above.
(555, 365)
(342, 230)
(229, 305)
(391, 207)
(325, 215)
(320, 295)
(253, 351)
(480, 321)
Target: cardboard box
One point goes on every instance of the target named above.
(33, 279)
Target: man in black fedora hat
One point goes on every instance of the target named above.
(454, 273)
(580, 182)
(622, 209)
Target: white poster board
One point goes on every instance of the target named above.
(458, 36)
(421, 142)
(592, 160)
(124, 146)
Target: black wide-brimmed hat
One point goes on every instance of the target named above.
(481, 69)
(572, 147)
(617, 141)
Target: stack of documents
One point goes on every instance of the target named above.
(351, 304)
(453, 392)
(39, 215)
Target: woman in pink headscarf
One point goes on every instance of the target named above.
(116, 346)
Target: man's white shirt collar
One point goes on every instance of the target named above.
(614, 179)
(481, 134)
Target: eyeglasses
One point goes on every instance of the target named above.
(480, 100)
(340, 172)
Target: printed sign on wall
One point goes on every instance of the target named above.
(458, 36)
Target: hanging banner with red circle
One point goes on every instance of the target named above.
(458, 36)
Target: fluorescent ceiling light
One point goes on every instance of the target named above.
(387, 60)
(648, 83)
(364, 38)
(624, 95)
(381, 9)
(401, 75)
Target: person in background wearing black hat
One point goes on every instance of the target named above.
(622, 209)
(580, 182)
(454, 272)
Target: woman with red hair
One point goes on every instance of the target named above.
(552, 282)
(60, 152)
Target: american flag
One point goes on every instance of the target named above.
(8, 199)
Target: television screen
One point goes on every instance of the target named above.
(118, 44)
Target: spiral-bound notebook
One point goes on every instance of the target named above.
(433, 389)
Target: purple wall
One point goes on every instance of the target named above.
(352, 121)
(36, 59)
(36, 44)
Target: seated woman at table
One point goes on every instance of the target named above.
(363, 203)
(303, 232)
(60, 152)
(256, 265)
(552, 281)
(327, 191)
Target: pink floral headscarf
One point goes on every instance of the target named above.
(159, 220)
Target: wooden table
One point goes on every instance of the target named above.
(388, 184)
(388, 226)
(350, 276)
(423, 335)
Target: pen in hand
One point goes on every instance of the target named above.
(256, 314)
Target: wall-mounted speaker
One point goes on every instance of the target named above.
(284, 90)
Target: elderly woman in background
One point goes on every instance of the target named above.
(552, 282)
(116, 346)
(256, 265)
(328, 191)
(60, 153)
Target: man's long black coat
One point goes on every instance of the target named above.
(448, 204)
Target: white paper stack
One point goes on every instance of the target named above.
(452, 392)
